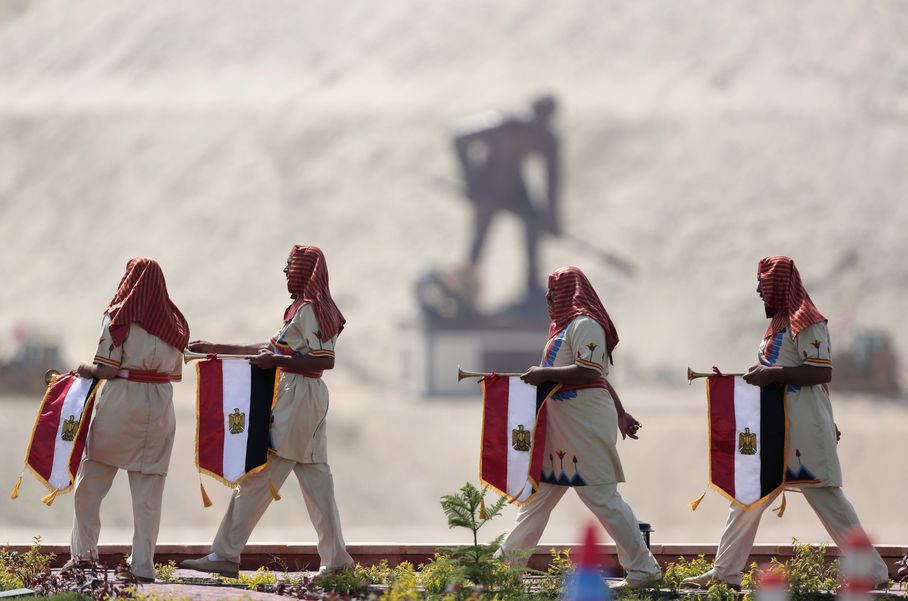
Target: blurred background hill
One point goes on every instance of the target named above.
(698, 137)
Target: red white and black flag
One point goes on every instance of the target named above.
(58, 437)
(747, 436)
(233, 413)
(513, 435)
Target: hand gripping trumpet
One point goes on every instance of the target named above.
(463, 374)
(191, 356)
(693, 375)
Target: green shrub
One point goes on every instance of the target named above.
(677, 571)
(19, 570)
(165, 572)
(345, 582)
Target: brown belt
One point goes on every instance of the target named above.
(146, 377)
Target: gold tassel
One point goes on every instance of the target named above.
(206, 501)
(696, 502)
(274, 493)
(780, 510)
(49, 499)
(482, 509)
(15, 493)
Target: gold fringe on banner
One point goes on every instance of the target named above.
(206, 500)
(696, 502)
(49, 499)
(274, 493)
(15, 493)
(780, 510)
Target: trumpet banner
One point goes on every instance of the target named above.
(58, 436)
(513, 435)
(233, 417)
(748, 430)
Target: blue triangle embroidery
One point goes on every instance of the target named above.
(802, 475)
(563, 480)
(578, 481)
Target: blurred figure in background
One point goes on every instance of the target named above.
(492, 150)
(140, 353)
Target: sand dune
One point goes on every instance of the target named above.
(698, 138)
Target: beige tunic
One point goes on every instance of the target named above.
(811, 457)
(298, 420)
(582, 430)
(133, 425)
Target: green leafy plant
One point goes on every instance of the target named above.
(551, 585)
(165, 572)
(677, 571)
(385, 573)
(809, 575)
(345, 582)
(19, 570)
(470, 569)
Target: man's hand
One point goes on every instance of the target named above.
(201, 346)
(86, 370)
(628, 426)
(759, 375)
(533, 376)
(264, 360)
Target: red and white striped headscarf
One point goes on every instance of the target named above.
(783, 292)
(308, 283)
(573, 296)
(142, 298)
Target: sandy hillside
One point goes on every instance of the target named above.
(698, 137)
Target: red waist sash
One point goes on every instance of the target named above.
(314, 374)
(600, 383)
(146, 377)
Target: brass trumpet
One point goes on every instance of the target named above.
(462, 373)
(693, 375)
(191, 356)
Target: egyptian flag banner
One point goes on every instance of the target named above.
(513, 435)
(58, 437)
(233, 415)
(747, 436)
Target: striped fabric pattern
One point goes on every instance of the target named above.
(784, 293)
(573, 295)
(513, 436)
(234, 402)
(142, 298)
(747, 436)
(307, 282)
(58, 438)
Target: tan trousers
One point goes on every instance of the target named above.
(835, 513)
(611, 510)
(92, 484)
(249, 502)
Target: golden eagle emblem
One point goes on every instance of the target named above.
(236, 421)
(70, 427)
(520, 439)
(747, 442)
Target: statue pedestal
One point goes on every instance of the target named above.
(432, 350)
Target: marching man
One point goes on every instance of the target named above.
(584, 418)
(794, 353)
(140, 353)
(302, 348)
